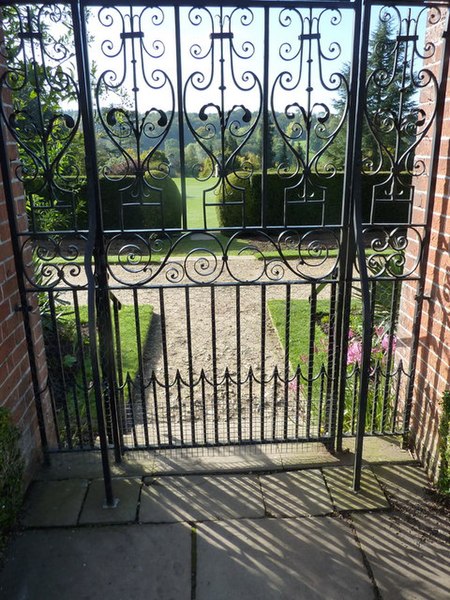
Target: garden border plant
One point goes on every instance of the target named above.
(11, 474)
(378, 412)
(443, 483)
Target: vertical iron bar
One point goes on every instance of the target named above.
(120, 387)
(390, 353)
(397, 395)
(59, 357)
(297, 399)
(190, 361)
(165, 363)
(83, 366)
(180, 115)
(356, 169)
(321, 392)
(348, 246)
(287, 336)
(275, 400)
(77, 415)
(265, 126)
(355, 376)
(55, 418)
(330, 361)
(250, 402)
(373, 299)
(263, 357)
(180, 406)
(227, 403)
(432, 181)
(137, 322)
(155, 407)
(203, 391)
(131, 405)
(376, 393)
(311, 356)
(93, 194)
(214, 366)
(238, 361)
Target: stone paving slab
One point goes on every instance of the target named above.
(260, 457)
(139, 562)
(295, 494)
(54, 503)
(377, 450)
(370, 496)
(405, 483)
(407, 560)
(217, 463)
(126, 490)
(197, 497)
(279, 559)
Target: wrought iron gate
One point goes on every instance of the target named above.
(220, 210)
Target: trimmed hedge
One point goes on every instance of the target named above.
(135, 208)
(304, 213)
(125, 206)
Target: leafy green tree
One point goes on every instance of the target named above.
(390, 114)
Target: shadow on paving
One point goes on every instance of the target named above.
(266, 536)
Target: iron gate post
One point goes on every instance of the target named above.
(102, 298)
(92, 246)
(360, 251)
(348, 249)
(24, 306)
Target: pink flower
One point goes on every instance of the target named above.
(379, 331)
(354, 352)
(386, 340)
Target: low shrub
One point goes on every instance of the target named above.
(239, 191)
(127, 204)
(11, 473)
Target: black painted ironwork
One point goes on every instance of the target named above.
(292, 215)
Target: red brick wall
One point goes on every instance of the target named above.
(433, 359)
(16, 386)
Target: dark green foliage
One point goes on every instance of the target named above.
(302, 213)
(160, 208)
(444, 446)
(155, 205)
(11, 473)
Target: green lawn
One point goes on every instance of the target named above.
(194, 203)
(300, 316)
(128, 334)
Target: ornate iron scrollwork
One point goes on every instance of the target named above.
(396, 121)
(313, 124)
(393, 252)
(225, 76)
(136, 125)
(308, 254)
(41, 80)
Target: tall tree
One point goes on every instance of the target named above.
(389, 103)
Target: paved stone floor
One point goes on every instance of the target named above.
(293, 534)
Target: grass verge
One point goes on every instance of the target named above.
(129, 334)
(299, 324)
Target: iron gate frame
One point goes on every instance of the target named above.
(352, 243)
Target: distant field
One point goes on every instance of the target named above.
(194, 202)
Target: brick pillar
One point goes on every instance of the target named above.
(16, 385)
(433, 359)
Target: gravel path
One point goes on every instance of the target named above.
(220, 325)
